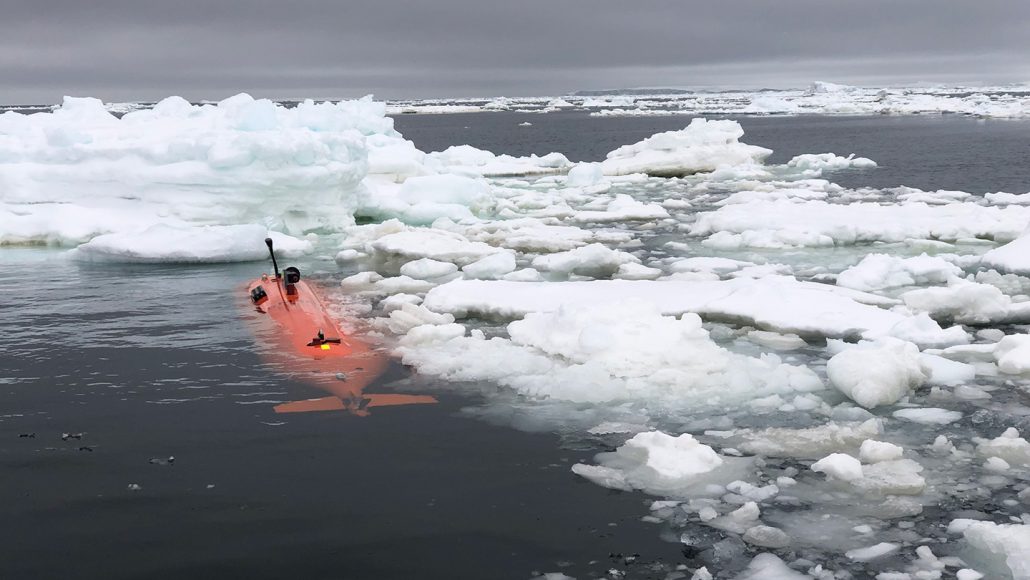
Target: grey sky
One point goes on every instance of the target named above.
(143, 49)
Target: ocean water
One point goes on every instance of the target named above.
(147, 362)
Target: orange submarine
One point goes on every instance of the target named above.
(298, 338)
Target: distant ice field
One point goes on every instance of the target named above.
(927, 152)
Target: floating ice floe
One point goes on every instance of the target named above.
(190, 244)
(625, 351)
(470, 160)
(703, 146)
(653, 461)
(778, 303)
(1002, 548)
(70, 175)
(1012, 257)
(784, 224)
(881, 271)
(877, 374)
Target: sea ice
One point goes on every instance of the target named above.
(1004, 548)
(880, 271)
(777, 303)
(873, 451)
(190, 244)
(653, 461)
(702, 146)
(839, 466)
(876, 374)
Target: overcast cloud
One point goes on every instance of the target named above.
(145, 50)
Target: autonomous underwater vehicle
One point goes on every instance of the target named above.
(298, 337)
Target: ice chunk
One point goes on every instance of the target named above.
(1012, 257)
(878, 374)
(623, 208)
(873, 451)
(634, 271)
(894, 477)
(942, 371)
(432, 243)
(427, 269)
(703, 146)
(409, 316)
(928, 415)
(593, 260)
(491, 267)
(394, 302)
(766, 537)
(1008, 446)
(813, 164)
(839, 466)
(812, 442)
(652, 461)
(1003, 547)
(880, 271)
(739, 520)
(190, 244)
(585, 175)
(872, 552)
(1013, 354)
(78, 172)
(769, 567)
(961, 301)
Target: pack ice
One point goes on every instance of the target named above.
(810, 381)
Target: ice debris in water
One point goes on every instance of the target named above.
(1002, 548)
(839, 466)
(1008, 446)
(1012, 257)
(875, 374)
(652, 461)
(880, 271)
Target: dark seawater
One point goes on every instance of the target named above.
(154, 361)
(926, 152)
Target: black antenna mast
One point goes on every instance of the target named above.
(268, 242)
